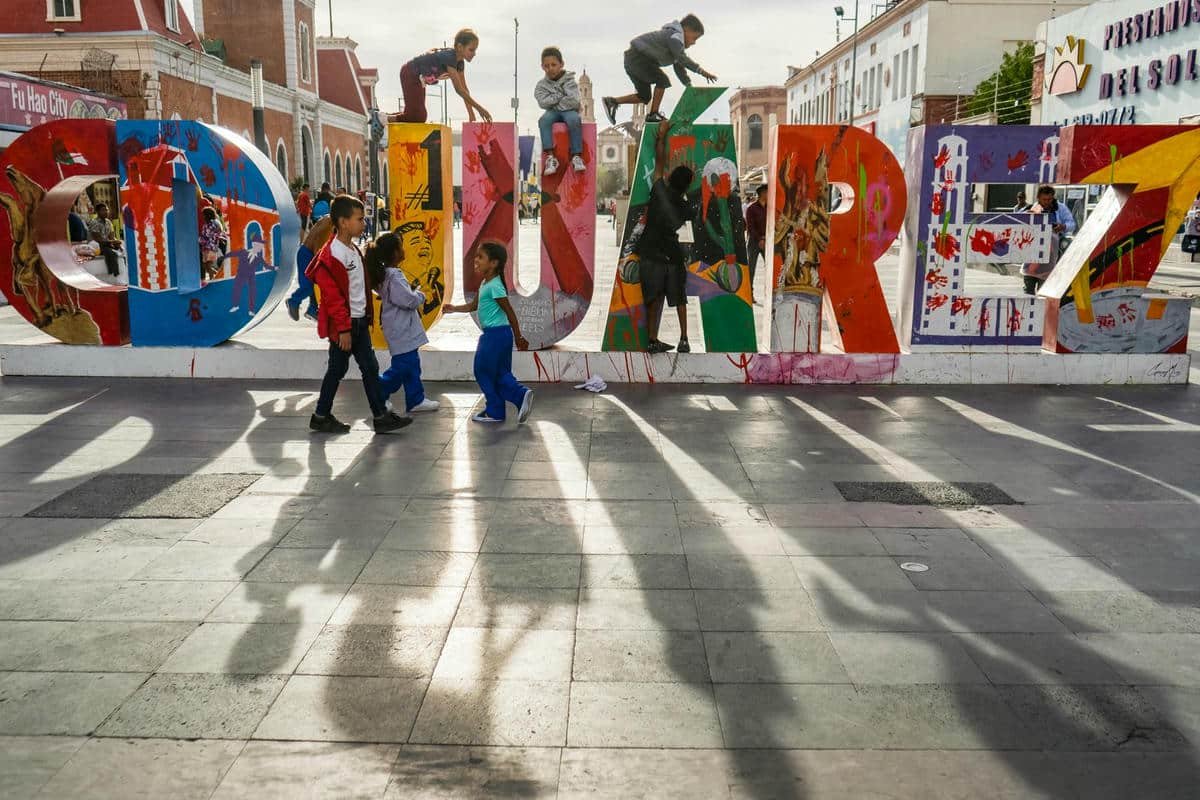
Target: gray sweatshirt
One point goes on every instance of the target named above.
(560, 95)
(665, 48)
(400, 316)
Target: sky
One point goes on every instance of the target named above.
(747, 43)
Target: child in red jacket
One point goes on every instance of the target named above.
(345, 319)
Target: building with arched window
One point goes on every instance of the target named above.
(753, 110)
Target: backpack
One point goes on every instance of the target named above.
(320, 209)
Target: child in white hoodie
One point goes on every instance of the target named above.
(559, 95)
(400, 315)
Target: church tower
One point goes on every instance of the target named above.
(588, 110)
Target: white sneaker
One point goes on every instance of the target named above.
(551, 165)
(577, 163)
(526, 406)
(425, 405)
(483, 417)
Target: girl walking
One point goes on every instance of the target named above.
(493, 356)
(400, 313)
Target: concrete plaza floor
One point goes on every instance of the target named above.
(654, 592)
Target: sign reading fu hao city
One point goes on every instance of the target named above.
(822, 255)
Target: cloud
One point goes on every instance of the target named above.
(746, 43)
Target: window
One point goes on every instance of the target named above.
(756, 131)
(895, 76)
(904, 72)
(171, 11)
(338, 183)
(358, 184)
(305, 54)
(328, 173)
(281, 159)
(62, 11)
(914, 68)
(879, 86)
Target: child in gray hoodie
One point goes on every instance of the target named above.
(400, 316)
(558, 93)
(645, 58)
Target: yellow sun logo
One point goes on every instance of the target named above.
(1070, 70)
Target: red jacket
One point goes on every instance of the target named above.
(304, 204)
(333, 314)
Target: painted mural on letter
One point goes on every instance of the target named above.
(717, 272)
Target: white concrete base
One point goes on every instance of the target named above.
(554, 366)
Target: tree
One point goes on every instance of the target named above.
(610, 181)
(1006, 91)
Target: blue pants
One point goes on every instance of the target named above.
(339, 362)
(574, 130)
(493, 371)
(304, 257)
(405, 371)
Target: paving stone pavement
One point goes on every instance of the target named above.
(655, 592)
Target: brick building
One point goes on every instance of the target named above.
(164, 66)
(752, 112)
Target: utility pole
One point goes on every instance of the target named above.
(853, 61)
(516, 102)
(331, 19)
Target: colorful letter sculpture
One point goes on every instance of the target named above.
(164, 167)
(41, 175)
(717, 270)
(568, 213)
(943, 235)
(822, 252)
(1095, 299)
(421, 183)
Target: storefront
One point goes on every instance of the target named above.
(26, 102)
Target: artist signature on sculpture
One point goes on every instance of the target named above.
(1169, 371)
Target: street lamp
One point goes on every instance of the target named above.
(257, 100)
(840, 13)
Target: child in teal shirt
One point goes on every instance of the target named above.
(493, 357)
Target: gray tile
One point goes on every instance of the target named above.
(1159, 659)
(529, 539)
(539, 609)
(431, 536)
(922, 543)
(490, 654)
(1037, 658)
(829, 542)
(343, 709)
(243, 648)
(27, 763)
(253, 601)
(731, 541)
(867, 717)
(195, 707)
(1091, 718)
(773, 657)
(61, 703)
(905, 658)
(635, 572)
(83, 564)
(402, 606)
(978, 574)
(636, 609)
(1124, 612)
(374, 651)
(649, 656)
(742, 572)
(720, 513)
(195, 561)
(1066, 574)
(336, 565)
(145, 768)
(114, 495)
(841, 573)
(418, 568)
(220, 532)
(755, 610)
(986, 612)
(643, 715)
(363, 535)
(1119, 776)
(52, 600)
(99, 646)
(161, 601)
(446, 772)
(1157, 574)
(508, 713)
(614, 541)
(510, 570)
(287, 770)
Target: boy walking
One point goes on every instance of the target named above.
(645, 58)
(558, 93)
(345, 318)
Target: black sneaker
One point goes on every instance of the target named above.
(654, 118)
(684, 347)
(390, 423)
(329, 424)
(660, 347)
(610, 109)
(294, 312)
